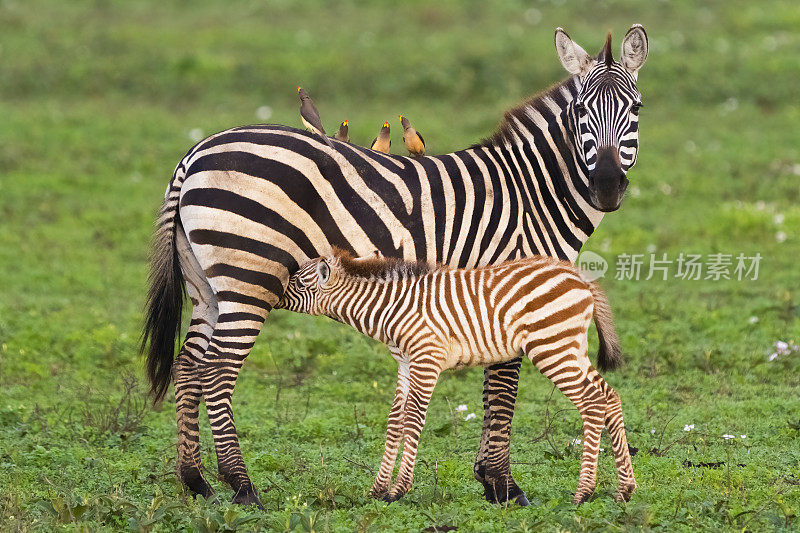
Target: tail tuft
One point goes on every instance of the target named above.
(609, 355)
(164, 303)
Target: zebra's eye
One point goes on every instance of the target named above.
(636, 107)
(580, 108)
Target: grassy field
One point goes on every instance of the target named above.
(99, 100)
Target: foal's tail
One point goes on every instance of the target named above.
(609, 356)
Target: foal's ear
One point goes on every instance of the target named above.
(572, 56)
(323, 271)
(634, 49)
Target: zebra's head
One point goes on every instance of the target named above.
(605, 112)
(308, 287)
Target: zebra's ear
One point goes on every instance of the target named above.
(634, 49)
(572, 56)
(323, 272)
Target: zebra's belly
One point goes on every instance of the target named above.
(462, 354)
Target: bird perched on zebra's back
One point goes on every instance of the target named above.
(310, 116)
(343, 134)
(383, 142)
(414, 141)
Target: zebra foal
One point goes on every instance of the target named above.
(435, 318)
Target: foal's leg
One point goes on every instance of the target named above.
(569, 368)
(188, 390)
(619, 442)
(394, 430)
(423, 374)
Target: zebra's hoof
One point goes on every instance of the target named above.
(248, 497)
(522, 500)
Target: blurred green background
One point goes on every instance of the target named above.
(100, 100)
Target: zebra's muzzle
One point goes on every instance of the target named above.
(607, 182)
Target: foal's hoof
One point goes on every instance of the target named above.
(625, 492)
(390, 498)
(247, 497)
(582, 497)
(378, 494)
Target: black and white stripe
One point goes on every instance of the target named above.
(247, 206)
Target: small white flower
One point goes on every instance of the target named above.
(652, 431)
(462, 407)
(743, 436)
(773, 356)
(778, 219)
(469, 416)
(575, 442)
(264, 112)
(728, 437)
(781, 346)
(688, 427)
(780, 236)
(196, 134)
(602, 449)
(753, 319)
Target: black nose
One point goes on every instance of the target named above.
(607, 181)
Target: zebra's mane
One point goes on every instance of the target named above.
(381, 268)
(505, 131)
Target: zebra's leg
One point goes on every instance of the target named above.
(236, 331)
(188, 393)
(394, 430)
(619, 441)
(569, 369)
(423, 374)
(188, 390)
(479, 470)
(500, 387)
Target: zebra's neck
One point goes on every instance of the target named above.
(536, 146)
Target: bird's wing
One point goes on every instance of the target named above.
(420, 138)
(373, 142)
(313, 119)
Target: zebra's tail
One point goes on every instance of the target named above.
(609, 355)
(164, 297)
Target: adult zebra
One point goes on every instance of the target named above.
(247, 206)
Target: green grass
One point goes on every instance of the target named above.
(97, 101)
